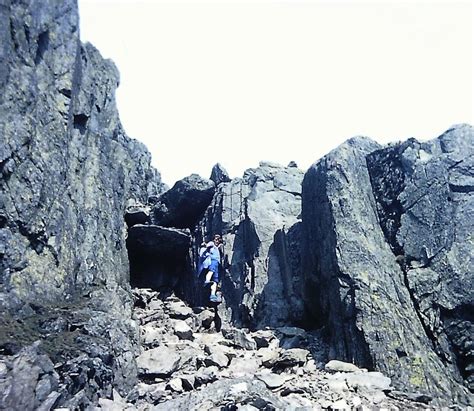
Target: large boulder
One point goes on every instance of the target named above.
(258, 217)
(184, 203)
(356, 281)
(219, 174)
(425, 201)
(67, 169)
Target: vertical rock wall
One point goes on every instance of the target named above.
(386, 247)
(67, 169)
(258, 216)
(425, 203)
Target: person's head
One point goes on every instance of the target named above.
(217, 239)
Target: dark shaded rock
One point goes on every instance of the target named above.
(182, 330)
(417, 397)
(137, 213)
(184, 203)
(158, 256)
(158, 240)
(263, 337)
(219, 174)
(354, 282)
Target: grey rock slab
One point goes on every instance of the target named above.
(338, 386)
(206, 318)
(206, 375)
(111, 405)
(157, 239)
(291, 357)
(179, 310)
(175, 384)
(151, 336)
(341, 366)
(263, 338)
(242, 367)
(216, 356)
(225, 391)
(368, 381)
(183, 330)
(67, 172)
(292, 332)
(240, 338)
(184, 203)
(49, 401)
(160, 361)
(412, 396)
(273, 380)
(268, 356)
(340, 405)
(369, 213)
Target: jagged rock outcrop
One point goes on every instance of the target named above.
(258, 216)
(425, 202)
(219, 174)
(67, 169)
(183, 204)
(382, 266)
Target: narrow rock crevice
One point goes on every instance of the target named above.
(42, 46)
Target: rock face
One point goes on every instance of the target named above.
(258, 217)
(67, 169)
(219, 174)
(387, 258)
(425, 202)
(184, 203)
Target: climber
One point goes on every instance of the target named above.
(204, 260)
(219, 243)
(212, 276)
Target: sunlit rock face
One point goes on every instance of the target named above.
(67, 170)
(387, 258)
(258, 216)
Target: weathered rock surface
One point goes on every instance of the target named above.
(425, 203)
(136, 213)
(184, 203)
(381, 262)
(160, 361)
(199, 374)
(219, 174)
(67, 170)
(257, 216)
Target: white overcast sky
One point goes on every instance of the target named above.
(238, 82)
